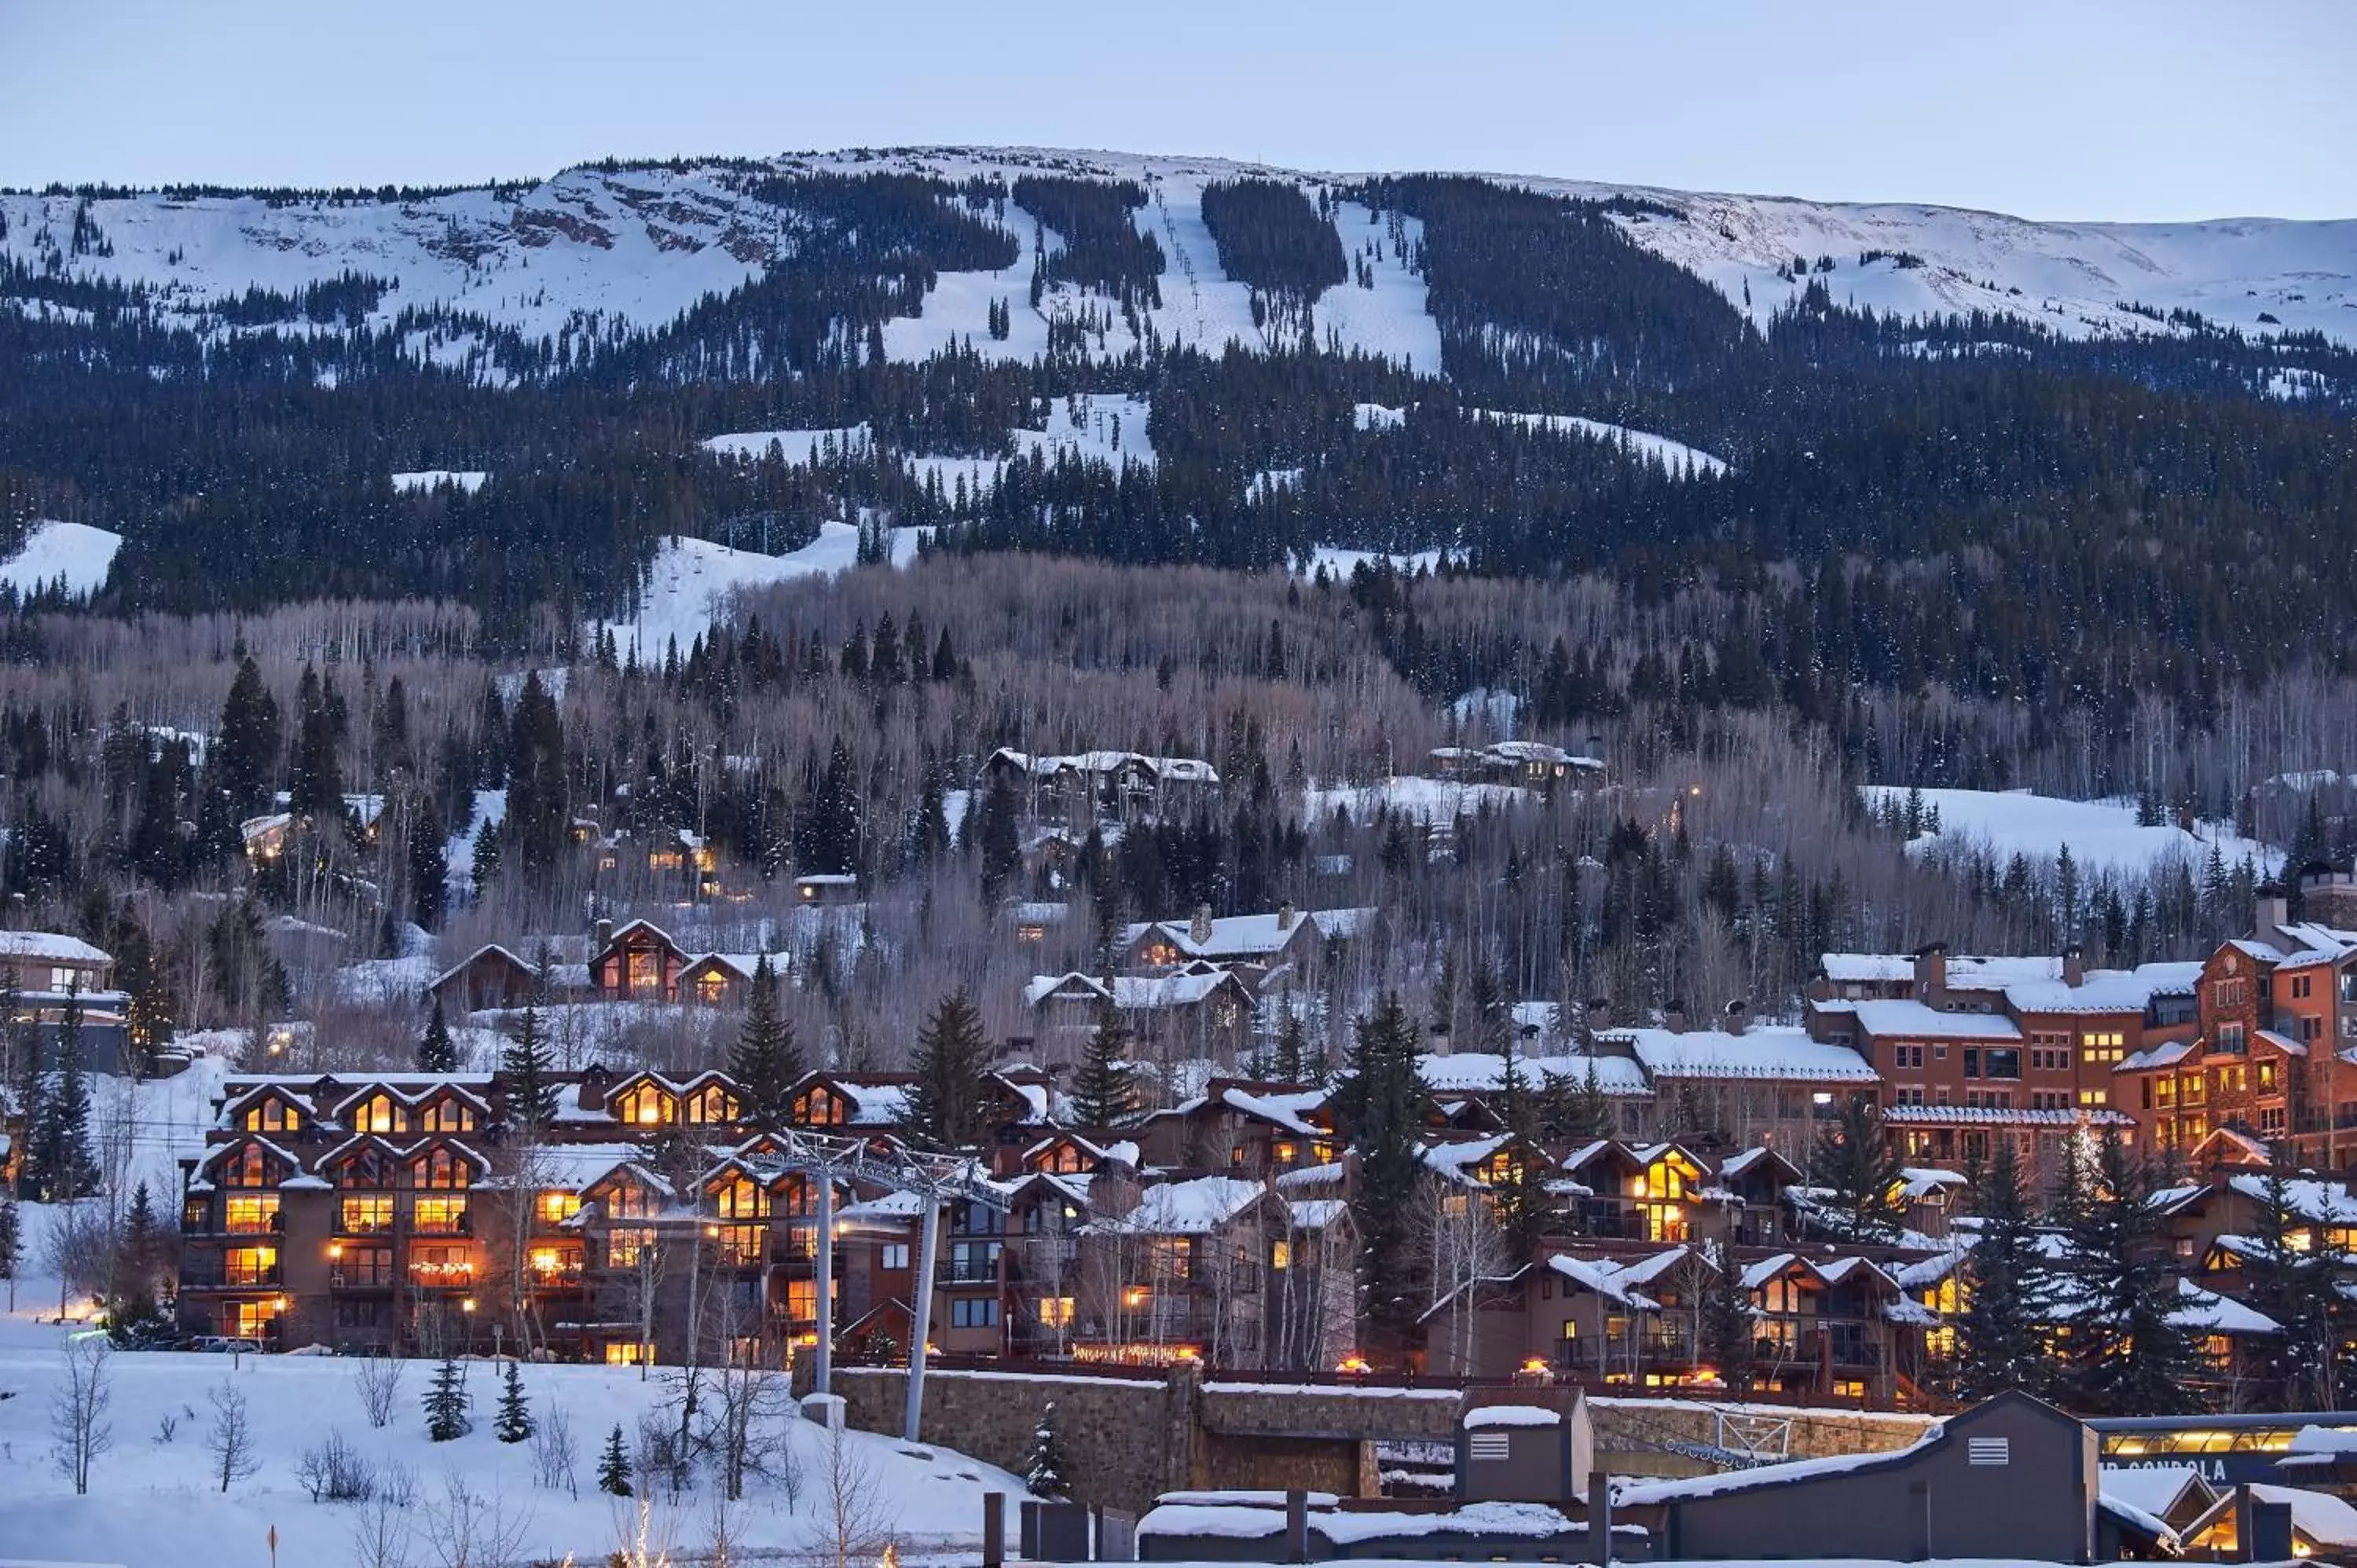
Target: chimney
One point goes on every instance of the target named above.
(1597, 1013)
(1286, 916)
(1198, 929)
(1738, 1016)
(2074, 966)
(605, 936)
(1931, 972)
(2271, 908)
(1673, 1015)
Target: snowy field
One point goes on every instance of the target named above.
(692, 580)
(1677, 456)
(419, 480)
(76, 551)
(641, 246)
(2102, 835)
(155, 1495)
(1423, 799)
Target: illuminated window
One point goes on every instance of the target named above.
(550, 1264)
(273, 1116)
(247, 1167)
(438, 1216)
(630, 1354)
(623, 1247)
(1055, 1311)
(379, 1113)
(1280, 1255)
(253, 1318)
(820, 1108)
(646, 964)
(447, 1115)
(248, 1266)
(743, 1199)
(440, 1168)
(647, 1106)
(251, 1216)
(714, 1106)
(557, 1207)
(364, 1216)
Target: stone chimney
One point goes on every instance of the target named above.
(1673, 1015)
(1198, 929)
(2329, 896)
(2271, 907)
(603, 937)
(1597, 1014)
(1286, 916)
(1738, 1016)
(2074, 966)
(1931, 972)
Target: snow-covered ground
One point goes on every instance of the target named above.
(641, 245)
(802, 447)
(694, 579)
(1423, 799)
(154, 1502)
(1674, 456)
(2102, 835)
(76, 551)
(414, 481)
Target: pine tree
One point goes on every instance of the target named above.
(1857, 1167)
(245, 758)
(2131, 1353)
(1001, 852)
(539, 819)
(826, 839)
(1291, 1062)
(614, 1465)
(1999, 1343)
(1044, 1470)
(767, 1063)
(437, 1052)
(1730, 1322)
(429, 865)
(1380, 1101)
(1521, 1195)
(12, 1244)
(59, 1166)
(446, 1403)
(1104, 1088)
(513, 1424)
(315, 781)
(527, 1068)
(2295, 1289)
(946, 1104)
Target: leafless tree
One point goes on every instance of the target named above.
(467, 1528)
(78, 1250)
(1456, 1233)
(230, 1439)
(378, 1380)
(750, 1389)
(77, 1423)
(379, 1533)
(333, 1471)
(855, 1517)
(554, 1451)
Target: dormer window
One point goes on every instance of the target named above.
(647, 1106)
(379, 1113)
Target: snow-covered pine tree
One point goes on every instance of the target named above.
(1998, 1344)
(614, 1465)
(1103, 1090)
(446, 1403)
(1729, 1329)
(1044, 1470)
(514, 1422)
(766, 1064)
(527, 1066)
(1858, 1168)
(437, 1052)
(2132, 1351)
(945, 1103)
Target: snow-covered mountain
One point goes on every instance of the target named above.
(607, 248)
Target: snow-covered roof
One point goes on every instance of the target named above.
(1915, 1020)
(1965, 972)
(2156, 1490)
(2169, 1053)
(2105, 990)
(1604, 1277)
(1484, 1072)
(50, 947)
(1251, 936)
(1646, 1494)
(1316, 1213)
(1129, 992)
(1183, 1208)
(2001, 1116)
(2326, 1520)
(1771, 1053)
(2316, 1202)
(1177, 770)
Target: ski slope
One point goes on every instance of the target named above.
(692, 581)
(75, 552)
(590, 248)
(2101, 835)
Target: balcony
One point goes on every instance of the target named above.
(969, 1273)
(442, 1276)
(452, 1225)
(219, 1276)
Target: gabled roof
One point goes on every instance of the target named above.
(51, 946)
(1183, 1208)
(1772, 1054)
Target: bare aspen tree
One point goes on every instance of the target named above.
(467, 1528)
(78, 1424)
(855, 1516)
(378, 1380)
(230, 1438)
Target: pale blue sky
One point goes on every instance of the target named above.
(2113, 109)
